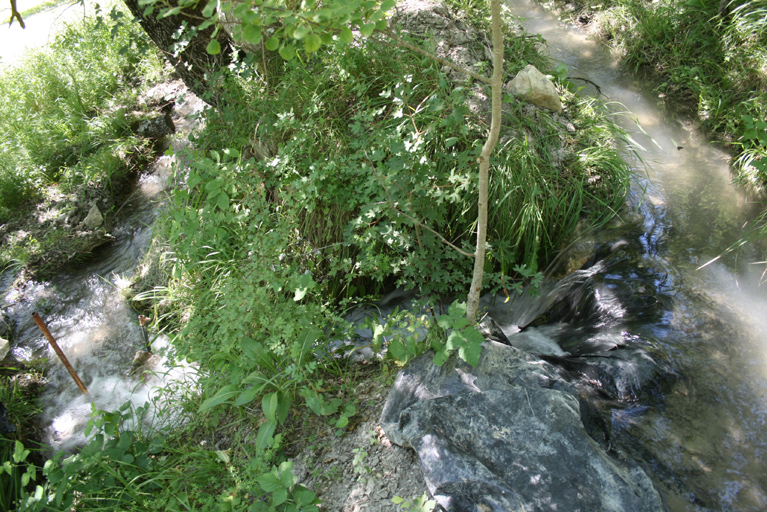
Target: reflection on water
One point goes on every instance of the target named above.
(699, 430)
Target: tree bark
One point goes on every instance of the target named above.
(194, 64)
(472, 302)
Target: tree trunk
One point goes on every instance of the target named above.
(472, 302)
(194, 64)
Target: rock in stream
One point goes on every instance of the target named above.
(508, 435)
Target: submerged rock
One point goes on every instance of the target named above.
(508, 435)
(534, 87)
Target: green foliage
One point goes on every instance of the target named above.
(462, 336)
(60, 115)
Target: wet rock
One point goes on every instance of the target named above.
(142, 361)
(7, 326)
(6, 427)
(94, 218)
(156, 127)
(508, 435)
(534, 87)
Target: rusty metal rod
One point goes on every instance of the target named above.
(72, 372)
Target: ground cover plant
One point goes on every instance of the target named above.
(67, 140)
(310, 191)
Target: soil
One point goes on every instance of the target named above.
(361, 470)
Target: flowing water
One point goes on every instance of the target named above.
(697, 425)
(86, 312)
(694, 420)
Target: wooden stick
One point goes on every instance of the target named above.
(72, 372)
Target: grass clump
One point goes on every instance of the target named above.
(66, 134)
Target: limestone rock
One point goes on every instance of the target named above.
(508, 435)
(534, 87)
(156, 127)
(94, 218)
(5, 348)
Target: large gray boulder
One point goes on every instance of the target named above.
(534, 87)
(508, 435)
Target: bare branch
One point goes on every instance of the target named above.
(15, 14)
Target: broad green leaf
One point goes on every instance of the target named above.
(287, 52)
(312, 43)
(213, 48)
(470, 353)
(269, 406)
(252, 33)
(248, 395)
(283, 406)
(367, 29)
(286, 473)
(272, 43)
(301, 31)
(223, 395)
(346, 35)
(388, 5)
(440, 357)
(223, 200)
(269, 482)
(209, 8)
(264, 438)
(279, 497)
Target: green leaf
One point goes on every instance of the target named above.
(303, 496)
(252, 33)
(279, 497)
(248, 395)
(223, 456)
(286, 473)
(470, 353)
(440, 357)
(397, 350)
(313, 400)
(388, 5)
(301, 31)
(287, 52)
(450, 142)
(264, 438)
(305, 283)
(272, 43)
(367, 29)
(223, 200)
(213, 48)
(397, 500)
(269, 406)
(346, 35)
(312, 43)
(269, 482)
(223, 395)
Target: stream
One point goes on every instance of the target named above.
(701, 436)
(87, 314)
(698, 433)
